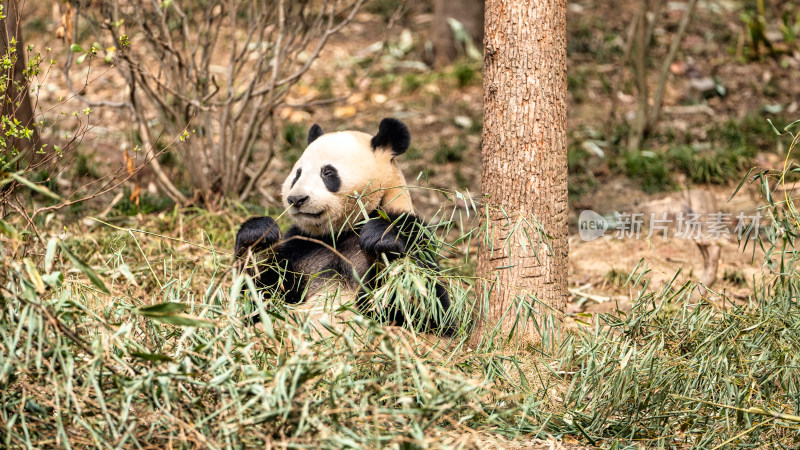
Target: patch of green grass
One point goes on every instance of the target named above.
(84, 166)
(723, 160)
(714, 166)
(148, 203)
(384, 8)
(616, 277)
(325, 87)
(45, 178)
(447, 152)
(650, 169)
(752, 132)
(580, 167)
(386, 81)
(168, 158)
(465, 74)
(735, 277)
(577, 159)
(581, 33)
(37, 25)
(294, 136)
(413, 81)
(413, 153)
(477, 125)
(576, 84)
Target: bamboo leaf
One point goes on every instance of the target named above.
(163, 309)
(182, 320)
(35, 187)
(8, 230)
(84, 268)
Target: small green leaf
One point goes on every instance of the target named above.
(163, 309)
(50, 254)
(125, 270)
(171, 313)
(773, 127)
(8, 230)
(34, 276)
(81, 59)
(53, 279)
(75, 48)
(80, 265)
(787, 127)
(183, 320)
(382, 214)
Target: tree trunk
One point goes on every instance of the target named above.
(469, 13)
(16, 101)
(524, 164)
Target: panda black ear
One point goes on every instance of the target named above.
(314, 132)
(392, 134)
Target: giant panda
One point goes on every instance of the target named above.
(350, 211)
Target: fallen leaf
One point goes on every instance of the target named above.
(678, 68)
(343, 112)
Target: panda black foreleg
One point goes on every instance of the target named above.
(404, 235)
(273, 272)
(257, 234)
(394, 237)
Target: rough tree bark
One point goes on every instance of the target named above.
(469, 13)
(524, 153)
(16, 101)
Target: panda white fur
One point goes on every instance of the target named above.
(339, 195)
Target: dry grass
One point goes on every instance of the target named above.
(116, 337)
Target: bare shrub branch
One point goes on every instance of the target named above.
(215, 75)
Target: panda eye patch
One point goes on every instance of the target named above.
(330, 176)
(296, 177)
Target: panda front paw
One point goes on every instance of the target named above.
(258, 233)
(377, 236)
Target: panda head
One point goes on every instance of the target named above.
(339, 170)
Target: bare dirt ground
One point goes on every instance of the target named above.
(443, 110)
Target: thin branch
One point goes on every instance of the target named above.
(166, 185)
(655, 112)
(640, 71)
(330, 31)
(71, 86)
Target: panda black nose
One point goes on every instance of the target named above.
(297, 200)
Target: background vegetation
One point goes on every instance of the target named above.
(120, 323)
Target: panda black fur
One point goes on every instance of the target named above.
(330, 238)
